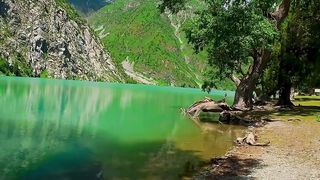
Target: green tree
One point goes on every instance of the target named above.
(269, 79)
(300, 49)
(236, 34)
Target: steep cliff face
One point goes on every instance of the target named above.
(47, 38)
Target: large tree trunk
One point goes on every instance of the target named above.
(244, 94)
(245, 87)
(285, 84)
(284, 95)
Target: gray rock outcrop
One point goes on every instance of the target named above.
(47, 37)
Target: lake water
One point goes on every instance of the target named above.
(55, 129)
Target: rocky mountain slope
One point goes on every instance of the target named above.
(48, 38)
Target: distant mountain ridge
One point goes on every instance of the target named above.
(88, 6)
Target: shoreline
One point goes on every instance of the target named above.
(294, 153)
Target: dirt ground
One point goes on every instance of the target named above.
(294, 151)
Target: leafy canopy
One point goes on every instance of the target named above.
(230, 31)
(300, 41)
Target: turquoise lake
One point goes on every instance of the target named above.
(58, 129)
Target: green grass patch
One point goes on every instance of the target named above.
(307, 101)
(44, 74)
(307, 108)
(308, 97)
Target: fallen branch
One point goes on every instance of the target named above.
(250, 139)
(227, 115)
(207, 105)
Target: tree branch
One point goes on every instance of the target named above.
(281, 12)
(235, 79)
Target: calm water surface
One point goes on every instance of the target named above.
(51, 129)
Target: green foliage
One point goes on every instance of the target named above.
(174, 5)
(4, 67)
(19, 67)
(300, 52)
(269, 79)
(214, 81)
(46, 56)
(44, 74)
(138, 32)
(230, 32)
(4, 33)
(129, 80)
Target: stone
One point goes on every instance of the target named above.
(49, 39)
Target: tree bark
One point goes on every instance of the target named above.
(281, 12)
(284, 95)
(285, 84)
(244, 93)
(243, 98)
(207, 105)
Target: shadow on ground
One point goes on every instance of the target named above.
(230, 168)
(302, 111)
(307, 111)
(309, 98)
